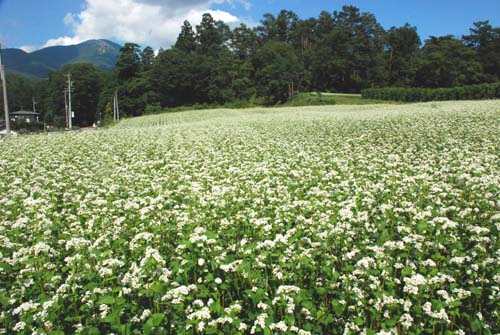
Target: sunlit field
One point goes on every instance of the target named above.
(376, 219)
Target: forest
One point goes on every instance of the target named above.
(215, 64)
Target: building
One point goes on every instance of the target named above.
(27, 116)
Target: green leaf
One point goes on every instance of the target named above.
(106, 300)
(338, 308)
(156, 319)
(153, 321)
(476, 325)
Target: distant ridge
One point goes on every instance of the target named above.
(102, 53)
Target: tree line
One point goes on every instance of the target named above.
(212, 63)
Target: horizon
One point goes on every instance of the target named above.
(157, 23)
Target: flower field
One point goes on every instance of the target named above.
(380, 219)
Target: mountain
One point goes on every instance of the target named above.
(102, 53)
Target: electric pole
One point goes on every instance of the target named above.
(66, 107)
(116, 109)
(34, 107)
(5, 101)
(70, 111)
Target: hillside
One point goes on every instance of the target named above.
(101, 53)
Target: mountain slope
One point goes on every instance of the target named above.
(102, 53)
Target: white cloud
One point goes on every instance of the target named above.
(29, 48)
(147, 22)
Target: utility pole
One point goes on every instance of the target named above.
(66, 107)
(34, 107)
(70, 111)
(116, 108)
(5, 100)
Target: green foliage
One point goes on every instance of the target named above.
(147, 56)
(85, 96)
(402, 54)
(153, 109)
(447, 62)
(350, 55)
(128, 63)
(278, 71)
(485, 40)
(311, 99)
(471, 92)
(23, 126)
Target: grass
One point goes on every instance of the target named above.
(317, 98)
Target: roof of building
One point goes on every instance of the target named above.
(25, 113)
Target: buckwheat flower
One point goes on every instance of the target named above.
(19, 326)
(287, 289)
(441, 315)
(218, 281)
(145, 314)
(413, 283)
(429, 263)
(233, 308)
(79, 328)
(406, 320)
(279, 326)
(262, 305)
(202, 314)
(41, 247)
(260, 322)
(201, 261)
(104, 309)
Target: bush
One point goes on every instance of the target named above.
(153, 109)
(310, 99)
(23, 126)
(416, 94)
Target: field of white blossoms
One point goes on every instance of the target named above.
(323, 220)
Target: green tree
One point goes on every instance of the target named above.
(244, 42)
(402, 51)
(211, 35)
(128, 63)
(186, 41)
(485, 40)
(351, 56)
(447, 62)
(268, 29)
(278, 71)
(286, 24)
(87, 82)
(147, 56)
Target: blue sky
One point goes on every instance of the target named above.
(32, 24)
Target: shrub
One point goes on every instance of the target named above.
(416, 94)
